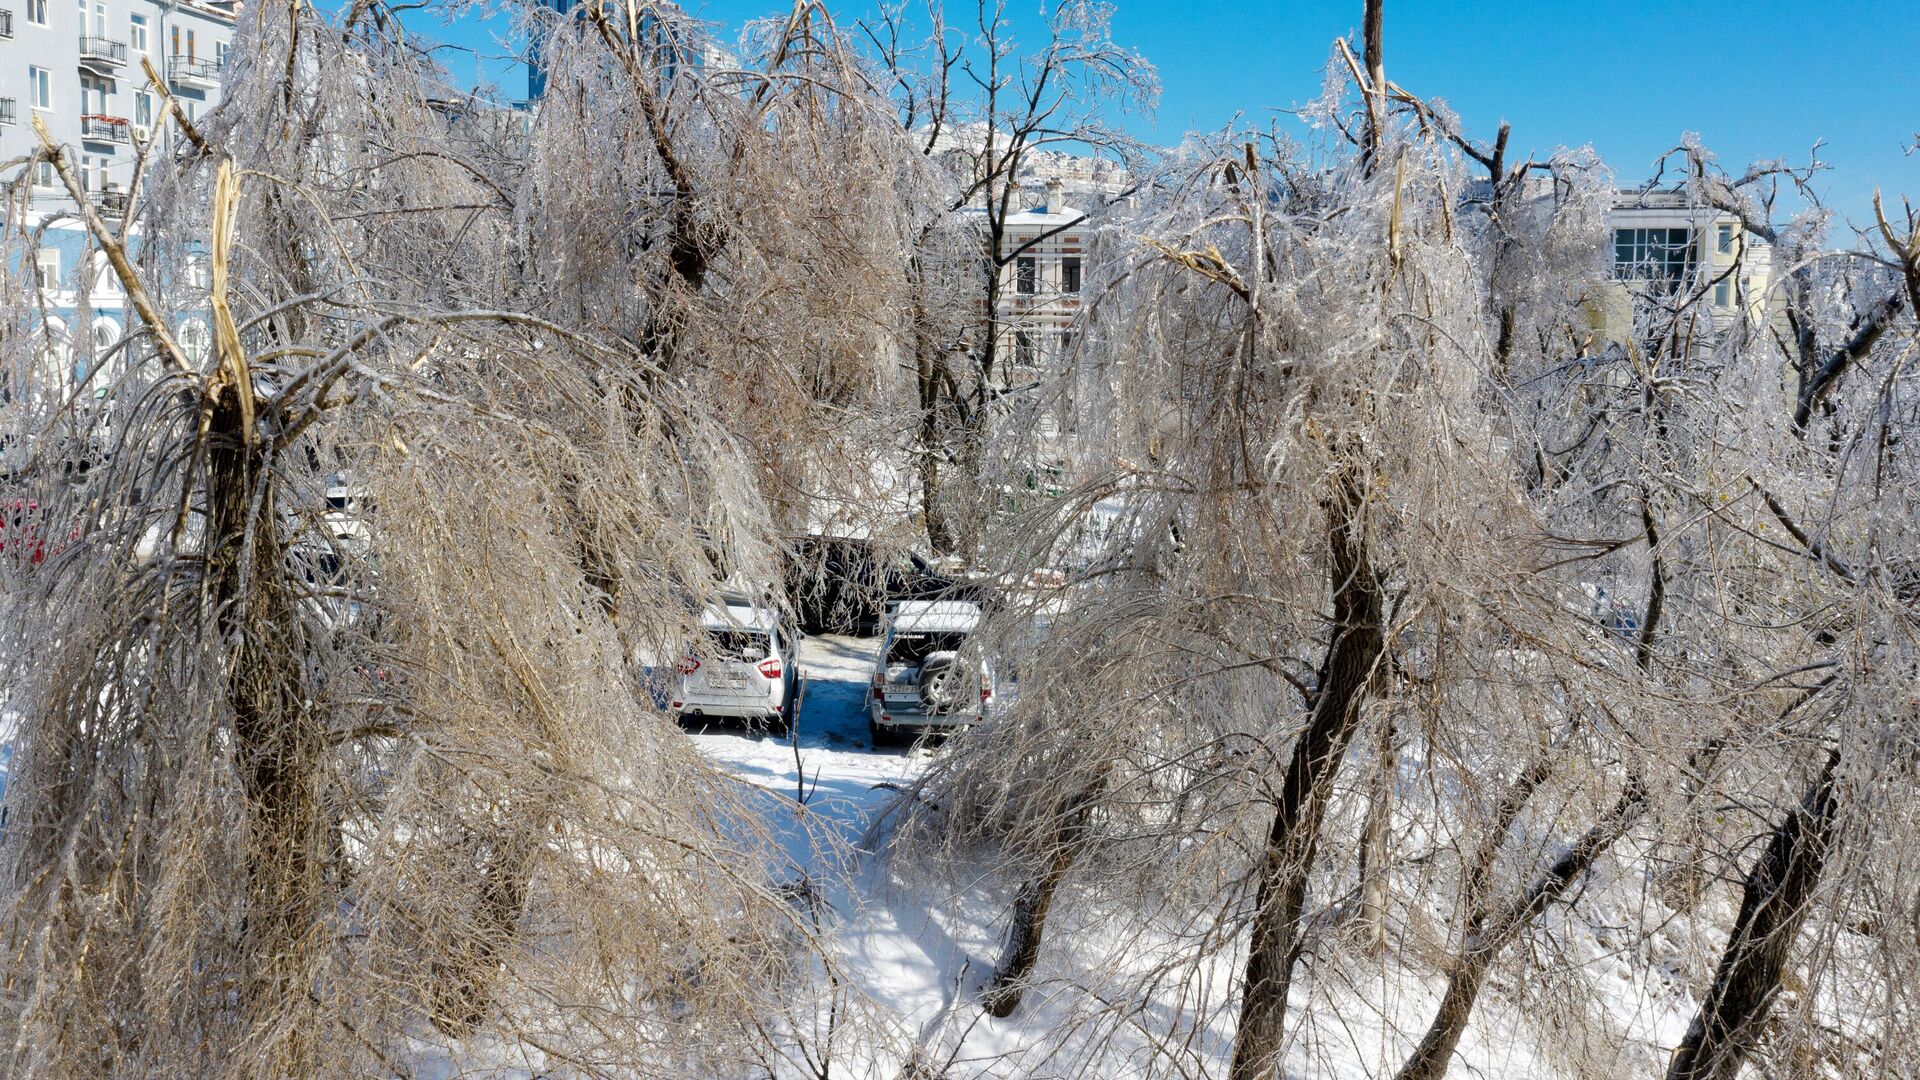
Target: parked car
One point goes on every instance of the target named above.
(740, 667)
(930, 674)
(838, 584)
(23, 533)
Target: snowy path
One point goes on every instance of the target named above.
(910, 950)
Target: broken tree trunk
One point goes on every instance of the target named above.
(1773, 909)
(1358, 641)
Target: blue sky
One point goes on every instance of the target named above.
(1759, 78)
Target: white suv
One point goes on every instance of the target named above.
(930, 673)
(740, 667)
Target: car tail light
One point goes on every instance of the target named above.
(675, 704)
(878, 694)
(986, 693)
(770, 667)
(689, 665)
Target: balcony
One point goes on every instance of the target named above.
(101, 54)
(8, 111)
(186, 71)
(103, 129)
(111, 202)
(6, 24)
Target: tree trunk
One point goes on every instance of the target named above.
(927, 372)
(277, 740)
(1373, 842)
(1034, 900)
(1489, 932)
(1773, 909)
(462, 992)
(1358, 642)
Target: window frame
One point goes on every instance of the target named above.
(1026, 275)
(40, 88)
(46, 269)
(1070, 275)
(137, 37)
(1723, 240)
(1666, 258)
(37, 7)
(196, 340)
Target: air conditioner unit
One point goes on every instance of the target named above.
(141, 132)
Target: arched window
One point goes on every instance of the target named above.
(195, 341)
(106, 334)
(199, 272)
(55, 357)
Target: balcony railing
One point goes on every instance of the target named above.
(186, 69)
(111, 203)
(99, 50)
(111, 129)
(6, 24)
(7, 113)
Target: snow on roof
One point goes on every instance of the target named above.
(736, 616)
(935, 617)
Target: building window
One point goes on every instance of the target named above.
(1663, 257)
(55, 349)
(43, 174)
(93, 95)
(143, 109)
(37, 12)
(189, 44)
(106, 334)
(138, 34)
(198, 274)
(1070, 275)
(1066, 343)
(1026, 275)
(46, 268)
(92, 172)
(1723, 294)
(1023, 350)
(1725, 240)
(40, 87)
(220, 54)
(194, 340)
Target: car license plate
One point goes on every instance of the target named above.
(729, 682)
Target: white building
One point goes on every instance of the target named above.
(78, 68)
(1665, 248)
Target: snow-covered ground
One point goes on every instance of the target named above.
(918, 952)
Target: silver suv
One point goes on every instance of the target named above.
(930, 674)
(741, 667)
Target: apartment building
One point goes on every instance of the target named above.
(76, 64)
(1040, 285)
(1664, 248)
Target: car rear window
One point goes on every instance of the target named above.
(913, 648)
(738, 644)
